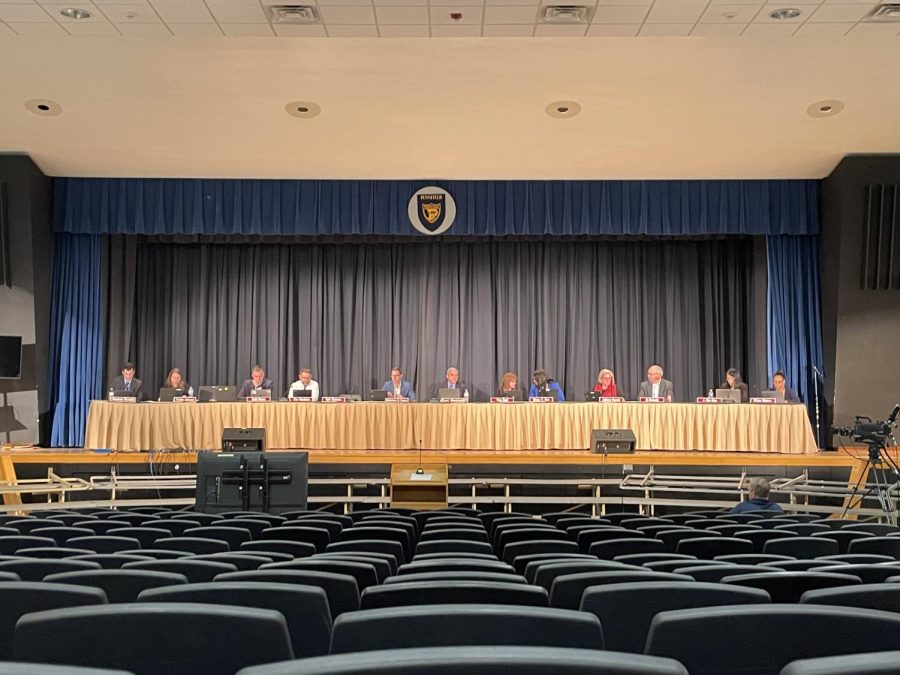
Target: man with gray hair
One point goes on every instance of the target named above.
(656, 386)
(758, 498)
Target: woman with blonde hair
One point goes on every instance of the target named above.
(509, 386)
(175, 380)
(606, 384)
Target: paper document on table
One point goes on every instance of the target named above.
(419, 476)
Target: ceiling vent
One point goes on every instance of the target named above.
(294, 14)
(566, 14)
(886, 12)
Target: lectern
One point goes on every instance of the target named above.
(426, 490)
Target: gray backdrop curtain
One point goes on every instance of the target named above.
(351, 311)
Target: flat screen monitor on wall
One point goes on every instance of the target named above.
(270, 482)
(10, 357)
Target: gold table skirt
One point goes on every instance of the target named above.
(435, 426)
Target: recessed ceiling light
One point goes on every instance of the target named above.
(303, 109)
(75, 13)
(785, 14)
(563, 109)
(827, 108)
(44, 107)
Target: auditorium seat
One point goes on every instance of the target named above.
(381, 565)
(193, 544)
(642, 558)
(341, 589)
(318, 537)
(177, 527)
(447, 521)
(805, 529)
(708, 523)
(51, 552)
(545, 574)
(409, 525)
(714, 640)
(715, 573)
(878, 529)
(29, 525)
(625, 610)
(452, 592)
(9, 576)
(36, 569)
(241, 561)
(22, 668)
(770, 523)
(876, 663)
(734, 529)
(682, 518)
(155, 637)
(859, 558)
(513, 551)
(445, 625)
(421, 557)
(292, 549)
(501, 660)
(612, 548)
(566, 590)
(105, 543)
(586, 538)
(453, 546)
(111, 561)
(522, 562)
(333, 527)
(305, 608)
(394, 548)
(789, 586)
(879, 545)
(707, 548)
(68, 519)
(196, 571)
(448, 532)
(836, 523)
(10, 544)
(753, 558)
(456, 564)
(132, 519)
(671, 538)
(804, 548)
(499, 536)
(363, 572)
(742, 517)
(458, 576)
(488, 518)
(868, 574)
(639, 522)
(618, 517)
(152, 510)
(566, 521)
(761, 537)
(343, 521)
(572, 531)
(672, 565)
(156, 553)
(120, 585)
(147, 536)
(233, 535)
(884, 596)
(98, 526)
(211, 518)
(62, 534)
(843, 537)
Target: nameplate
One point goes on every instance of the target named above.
(333, 399)
(122, 399)
(541, 399)
(396, 399)
(764, 400)
(258, 399)
(184, 399)
(611, 399)
(453, 400)
(502, 399)
(709, 399)
(652, 399)
(305, 399)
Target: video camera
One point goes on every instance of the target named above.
(867, 431)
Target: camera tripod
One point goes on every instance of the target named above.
(883, 468)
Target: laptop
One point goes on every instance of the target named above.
(446, 392)
(730, 395)
(378, 395)
(772, 393)
(166, 394)
(261, 393)
(217, 393)
(548, 393)
(592, 396)
(123, 393)
(301, 393)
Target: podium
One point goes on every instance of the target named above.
(427, 490)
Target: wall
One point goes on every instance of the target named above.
(25, 307)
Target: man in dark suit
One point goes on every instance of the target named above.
(128, 383)
(656, 386)
(451, 381)
(258, 380)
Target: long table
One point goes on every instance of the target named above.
(434, 426)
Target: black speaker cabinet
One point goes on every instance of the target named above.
(243, 440)
(606, 441)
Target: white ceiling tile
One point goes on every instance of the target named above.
(37, 29)
(850, 2)
(824, 28)
(131, 14)
(613, 30)
(440, 16)
(88, 28)
(144, 29)
(718, 29)
(872, 29)
(507, 30)
(730, 14)
(669, 3)
(300, 31)
(104, 3)
(458, 30)
(510, 15)
(643, 3)
(347, 15)
(6, 30)
(247, 29)
(508, 3)
(620, 14)
(407, 30)
(236, 11)
(756, 29)
(666, 29)
(183, 12)
(401, 3)
(457, 3)
(354, 30)
(195, 30)
(402, 15)
(839, 13)
(674, 14)
(23, 13)
(350, 3)
(550, 30)
(714, 3)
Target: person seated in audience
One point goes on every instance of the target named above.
(779, 383)
(397, 387)
(606, 384)
(128, 383)
(509, 386)
(757, 498)
(544, 385)
(176, 380)
(258, 380)
(655, 386)
(451, 381)
(733, 380)
(305, 383)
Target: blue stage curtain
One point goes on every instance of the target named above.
(484, 208)
(794, 314)
(76, 335)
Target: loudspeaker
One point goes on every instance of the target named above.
(612, 440)
(243, 440)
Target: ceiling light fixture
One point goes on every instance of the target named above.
(563, 109)
(827, 108)
(785, 14)
(303, 109)
(75, 13)
(43, 107)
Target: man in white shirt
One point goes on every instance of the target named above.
(305, 383)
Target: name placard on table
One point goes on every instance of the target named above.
(763, 399)
(709, 399)
(396, 399)
(123, 399)
(652, 399)
(453, 400)
(184, 399)
(258, 399)
(334, 399)
(541, 399)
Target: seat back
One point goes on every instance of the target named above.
(341, 589)
(566, 590)
(789, 586)
(452, 592)
(882, 596)
(196, 571)
(120, 585)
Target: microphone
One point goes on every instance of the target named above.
(420, 471)
(817, 371)
(893, 416)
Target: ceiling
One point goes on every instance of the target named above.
(194, 88)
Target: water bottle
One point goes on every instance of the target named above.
(466, 395)
(711, 394)
(190, 391)
(112, 393)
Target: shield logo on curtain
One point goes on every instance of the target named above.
(432, 210)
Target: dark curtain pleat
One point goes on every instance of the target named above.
(351, 312)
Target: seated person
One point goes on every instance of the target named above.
(258, 380)
(733, 380)
(509, 386)
(451, 381)
(779, 383)
(176, 380)
(544, 385)
(655, 386)
(758, 498)
(128, 383)
(305, 383)
(606, 384)
(397, 387)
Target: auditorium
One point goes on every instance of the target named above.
(477, 336)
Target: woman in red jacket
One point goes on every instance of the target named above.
(606, 384)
